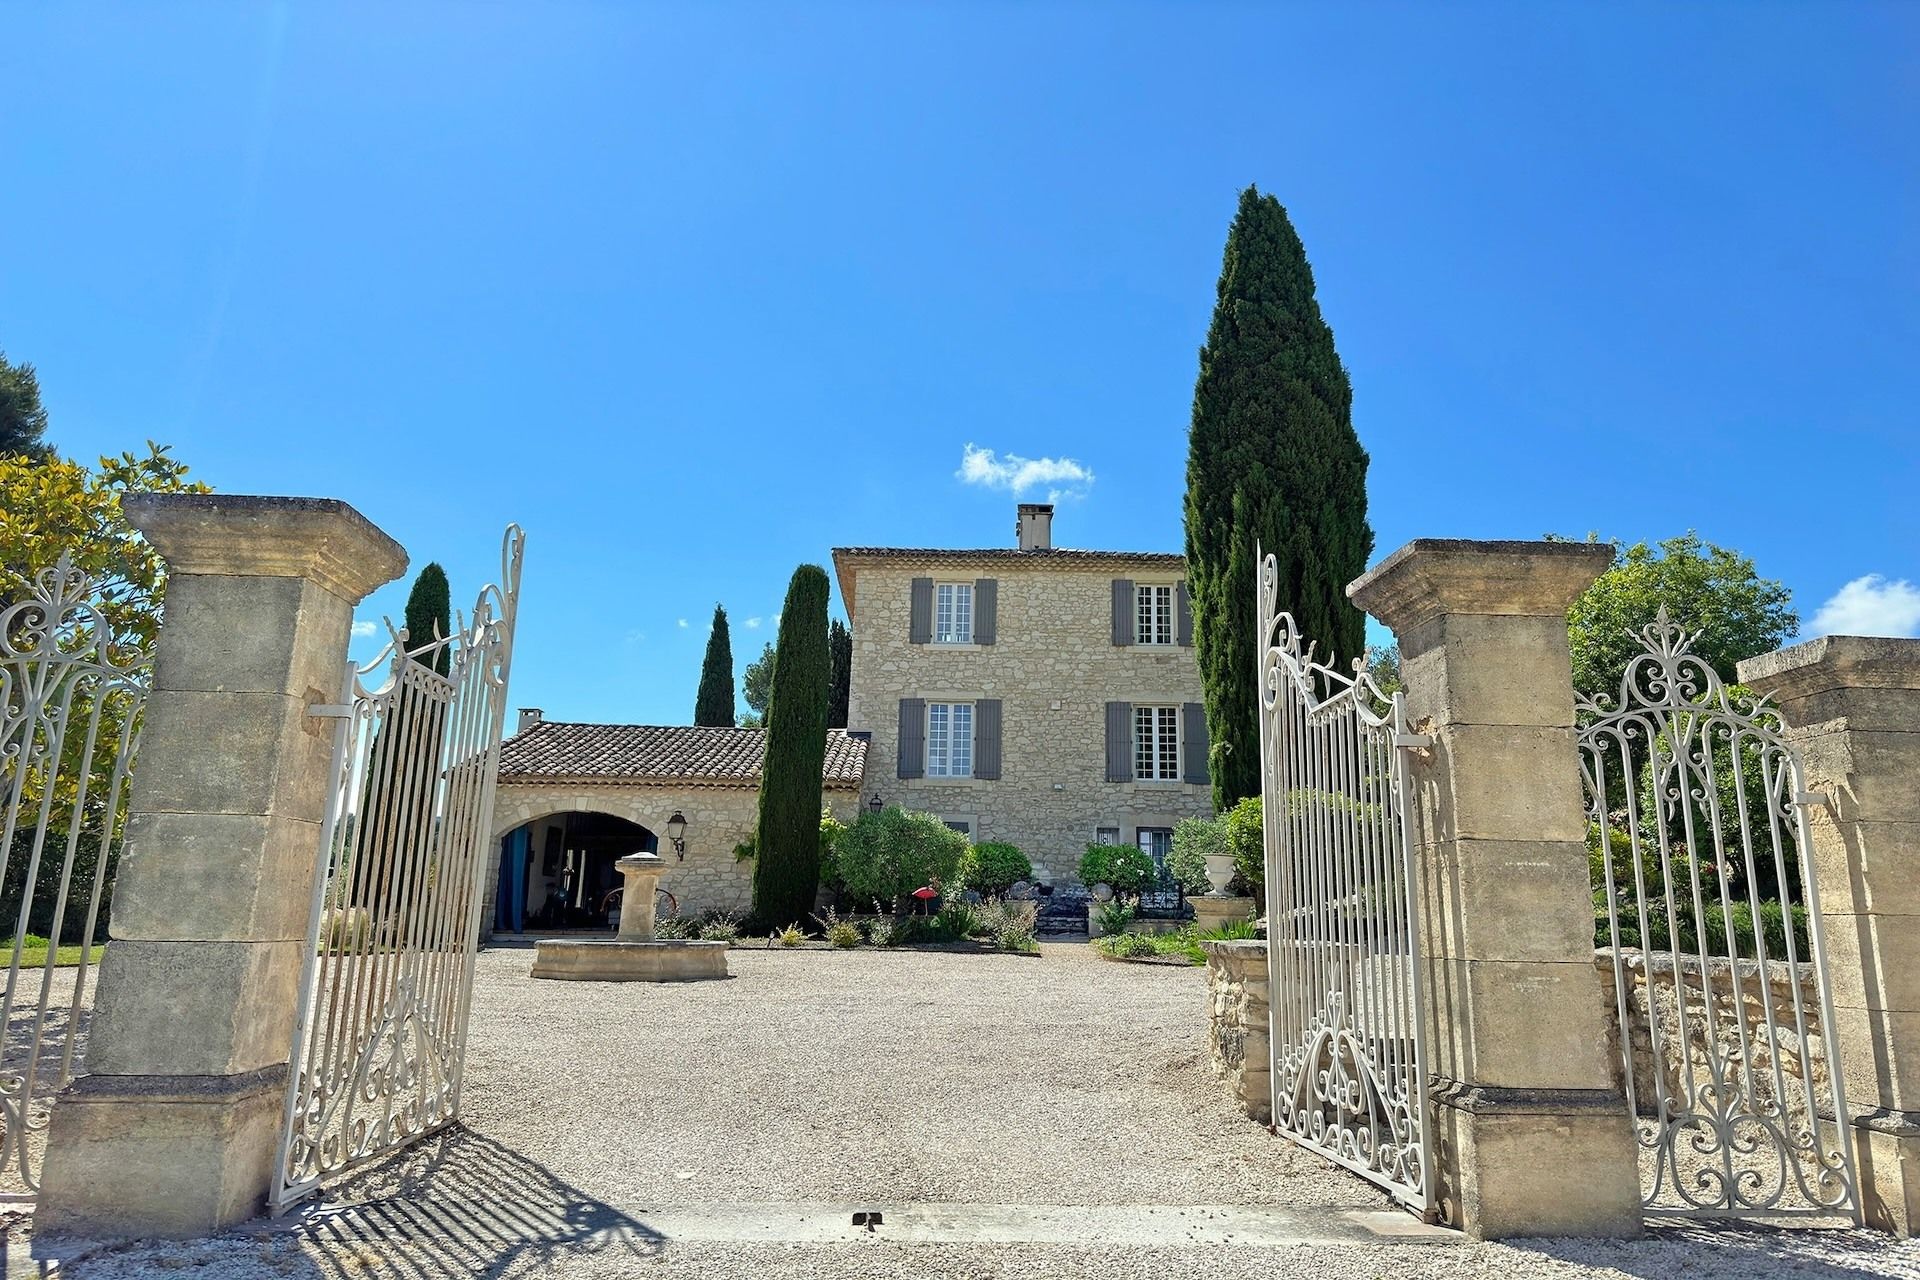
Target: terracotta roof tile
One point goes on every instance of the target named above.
(563, 751)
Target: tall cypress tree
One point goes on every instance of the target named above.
(713, 705)
(840, 687)
(429, 614)
(786, 871)
(1272, 459)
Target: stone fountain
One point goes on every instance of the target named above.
(634, 954)
(1211, 910)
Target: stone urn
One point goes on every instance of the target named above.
(1211, 910)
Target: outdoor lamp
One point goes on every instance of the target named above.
(677, 834)
(875, 805)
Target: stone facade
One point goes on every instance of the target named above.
(718, 818)
(1054, 667)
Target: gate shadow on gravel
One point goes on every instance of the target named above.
(462, 1205)
(1755, 1249)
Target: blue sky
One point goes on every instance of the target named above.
(696, 293)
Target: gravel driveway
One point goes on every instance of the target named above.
(1008, 1116)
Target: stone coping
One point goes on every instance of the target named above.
(244, 535)
(1834, 662)
(1432, 576)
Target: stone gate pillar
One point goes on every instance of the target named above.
(1531, 1124)
(1851, 706)
(173, 1131)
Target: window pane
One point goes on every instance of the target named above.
(961, 754)
(1169, 744)
(1143, 742)
(937, 738)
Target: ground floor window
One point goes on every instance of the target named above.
(1107, 835)
(963, 825)
(1156, 843)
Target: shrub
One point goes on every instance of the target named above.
(960, 919)
(1248, 843)
(843, 935)
(1123, 866)
(720, 927)
(344, 929)
(1012, 924)
(885, 856)
(670, 928)
(992, 868)
(882, 931)
(1193, 840)
(792, 936)
(1113, 917)
(1126, 946)
(831, 829)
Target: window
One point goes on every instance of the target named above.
(1156, 744)
(962, 825)
(953, 613)
(1153, 613)
(1156, 843)
(1106, 835)
(949, 739)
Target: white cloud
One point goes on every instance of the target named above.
(753, 623)
(1063, 477)
(361, 630)
(1870, 606)
(682, 624)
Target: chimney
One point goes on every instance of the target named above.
(529, 717)
(1035, 526)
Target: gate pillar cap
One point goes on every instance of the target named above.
(240, 535)
(1833, 662)
(1429, 577)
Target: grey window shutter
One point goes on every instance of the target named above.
(986, 738)
(1119, 742)
(1182, 614)
(913, 737)
(920, 612)
(1122, 611)
(1193, 729)
(986, 610)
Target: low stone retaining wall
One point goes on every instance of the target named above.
(1237, 1030)
(1741, 994)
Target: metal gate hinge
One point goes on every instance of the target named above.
(1413, 741)
(330, 711)
(1810, 799)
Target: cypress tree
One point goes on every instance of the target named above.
(429, 615)
(1273, 458)
(23, 421)
(713, 705)
(840, 687)
(786, 870)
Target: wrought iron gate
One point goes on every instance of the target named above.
(379, 1045)
(71, 696)
(1345, 983)
(1697, 836)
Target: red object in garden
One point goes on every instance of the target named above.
(926, 891)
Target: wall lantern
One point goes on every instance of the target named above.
(875, 805)
(677, 834)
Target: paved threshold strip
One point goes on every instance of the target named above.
(960, 1223)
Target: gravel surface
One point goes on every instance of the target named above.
(615, 1130)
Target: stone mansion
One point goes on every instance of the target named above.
(1033, 694)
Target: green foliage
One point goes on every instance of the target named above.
(844, 935)
(831, 829)
(991, 868)
(23, 422)
(429, 617)
(1231, 931)
(1246, 838)
(756, 687)
(883, 857)
(1194, 839)
(673, 928)
(1658, 930)
(840, 685)
(1012, 925)
(721, 926)
(1112, 916)
(1383, 664)
(1272, 457)
(959, 919)
(1122, 866)
(792, 936)
(713, 704)
(786, 872)
(1713, 593)
(1126, 946)
(881, 931)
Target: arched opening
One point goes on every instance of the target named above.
(557, 872)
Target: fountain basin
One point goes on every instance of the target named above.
(619, 960)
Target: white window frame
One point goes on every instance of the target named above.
(953, 613)
(1154, 623)
(1106, 836)
(944, 736)
(1163, 745)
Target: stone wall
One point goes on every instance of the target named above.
(1238, 1028)
(1054, 667)
(718, 818)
